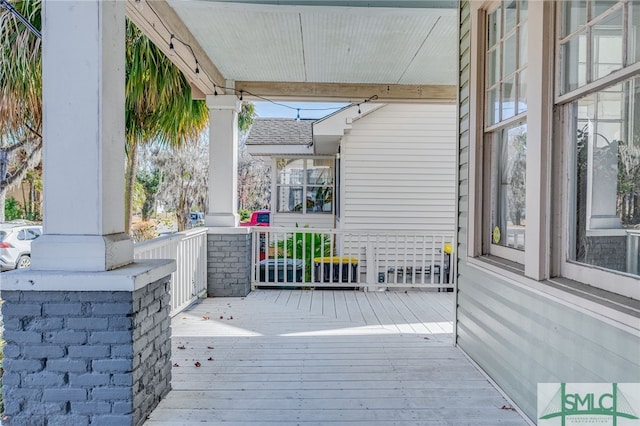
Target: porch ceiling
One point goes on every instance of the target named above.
(401, 50)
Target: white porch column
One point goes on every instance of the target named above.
(83, 132)
(223, 161)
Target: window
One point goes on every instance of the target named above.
(304, 185)
(505, 128)
(599, 102)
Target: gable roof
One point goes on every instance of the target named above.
(280, 131)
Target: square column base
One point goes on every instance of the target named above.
(80, 357)
(228, 262)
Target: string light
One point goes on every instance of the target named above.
(199, 71)
(172, 51)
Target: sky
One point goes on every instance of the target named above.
(268, 109)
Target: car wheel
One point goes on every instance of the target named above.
(23, 262)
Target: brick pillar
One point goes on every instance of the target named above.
(229, 262)
(79, 357)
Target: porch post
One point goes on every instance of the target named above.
(87, 330)
(223, 161)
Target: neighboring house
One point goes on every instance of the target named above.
(391, 166)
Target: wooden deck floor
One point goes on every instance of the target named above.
(325, 357)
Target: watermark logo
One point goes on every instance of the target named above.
(602, 404)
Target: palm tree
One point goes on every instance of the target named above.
(20, 96)
(159, 107)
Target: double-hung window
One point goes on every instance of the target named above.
(304, 185)
(505, 129)
(598, 100)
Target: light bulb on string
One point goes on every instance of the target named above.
(172, 50)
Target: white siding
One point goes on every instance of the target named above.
(289, 220)
(398, 169)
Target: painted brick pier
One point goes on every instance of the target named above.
(86, 357)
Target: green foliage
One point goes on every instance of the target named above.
(12, 209)
(245, 214)
(305, 246)
(149, 183)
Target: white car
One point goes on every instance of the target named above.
(15, 244)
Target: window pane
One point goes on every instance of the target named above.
(524, 11)
(598, 7)
(493, 105)
(509, 56)
(574, 14)
(606, 45)
(494, 27)
(290, 199)
(290, 172)
(633, 33)
(319, 172)
(510, 16)
(493, 69)
(574, 56)
(319, 199)
(607, 178)
(524, 52)
(522, 92)
(508, 103)
(509, 215)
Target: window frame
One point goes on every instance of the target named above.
(305, 184)
(489, 132)
(539, 94)
(618, 282)
(548, 165)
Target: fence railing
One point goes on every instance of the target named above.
(189, 250)
(305, 257)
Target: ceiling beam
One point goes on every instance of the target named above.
(153, 25)
(345, 92)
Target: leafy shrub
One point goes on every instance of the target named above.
(12, 209)
(143, 231)
(305, 246)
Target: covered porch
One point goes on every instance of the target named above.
(318, 357)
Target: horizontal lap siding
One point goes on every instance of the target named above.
(399, 169)
(516, 336)
(463, 129)
(521, 339)
(312, 220)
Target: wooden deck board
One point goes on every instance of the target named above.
(322, 357)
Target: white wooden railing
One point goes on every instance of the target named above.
(189, 250)
(305, 257)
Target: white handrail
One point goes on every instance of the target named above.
(189, 250)
(312, 257)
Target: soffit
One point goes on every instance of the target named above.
(313, 43)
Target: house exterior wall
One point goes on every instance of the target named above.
(398, 169)
(514, 328)
(312, 220)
